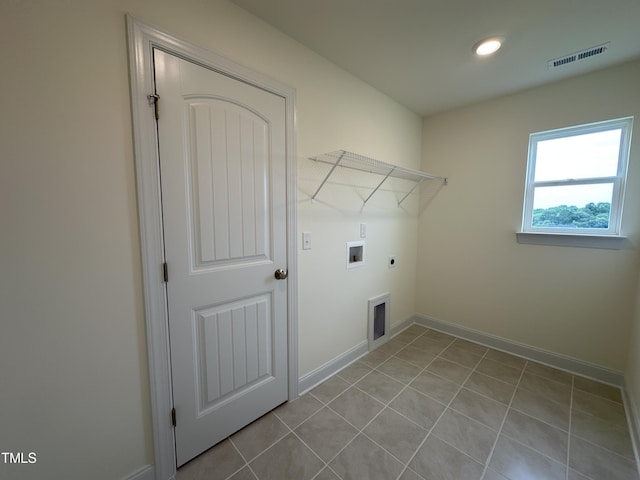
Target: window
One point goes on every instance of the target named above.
(575, 179)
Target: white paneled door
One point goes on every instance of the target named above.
(222, 161)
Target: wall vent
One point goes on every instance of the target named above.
(576, 57)
(379, 320)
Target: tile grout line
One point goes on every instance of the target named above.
(570, 425)
(443, 411)
(326, 464)
(361, 430)
(406, 465)
(358, 430)
(607, 450)
(573, 388)
(384, 405)
(541, 420)
(325, 405)
(610, 423)
(474, 370)
(404, 387)
(567, 431)
(600, 397)
(533, 416)
(292, 431)
(271, 445)
(439, 402)
(506, 414)
(246, 463)
(529, 447)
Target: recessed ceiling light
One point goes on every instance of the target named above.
(487, 46)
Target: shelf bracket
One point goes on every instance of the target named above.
(328, 175)
(418, 182)
(379, 185)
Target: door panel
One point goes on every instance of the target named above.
(229, 182)
(222, 164)
(234, 349)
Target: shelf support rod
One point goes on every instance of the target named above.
(411, 191)
(379, 185)
(328, 175)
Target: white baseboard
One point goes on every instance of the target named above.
(556, 360)
(551, 359)
(633, 419)
(396, 328)
(320, 374)
(143, 473)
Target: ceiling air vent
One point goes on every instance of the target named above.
(576, 57)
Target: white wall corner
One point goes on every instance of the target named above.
(143, 473)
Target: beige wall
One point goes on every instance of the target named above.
(576, 302)
(73, 349)
(334, 307)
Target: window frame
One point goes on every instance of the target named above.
(618, 180)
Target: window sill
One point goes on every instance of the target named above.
(611, 242)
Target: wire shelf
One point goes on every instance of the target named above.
(354, 161)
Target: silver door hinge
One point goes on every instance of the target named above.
(173, 416)
(165, 272)
(154, 99)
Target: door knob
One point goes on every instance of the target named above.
(281, 274)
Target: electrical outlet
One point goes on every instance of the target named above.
(363, 230)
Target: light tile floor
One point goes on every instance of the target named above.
(426, 405)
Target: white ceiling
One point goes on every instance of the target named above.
(419, 51)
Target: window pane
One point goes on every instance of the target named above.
(574, 206)
(580, 156)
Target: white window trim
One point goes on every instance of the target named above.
(597, 238)
(611, 242)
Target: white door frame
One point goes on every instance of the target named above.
(142, 39)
